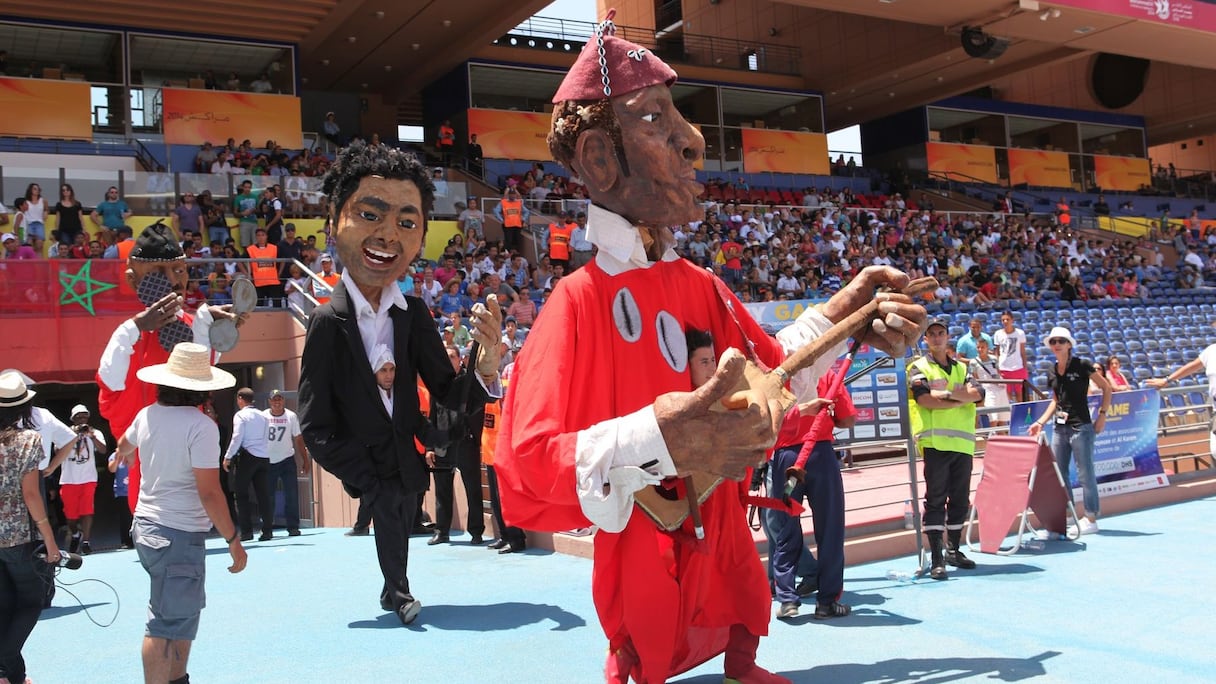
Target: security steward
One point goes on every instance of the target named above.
(942, 402)
(264, 271)
(514, 215)
(560, 232)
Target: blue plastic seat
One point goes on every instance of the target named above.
(1100, 348)
(1134, 346)
(1141, 373)
(1150, 344)
(1141, 359)
(1117, 347)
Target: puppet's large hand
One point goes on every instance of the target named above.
(724, 443)
(901, 321)
(487, 330)
(162, 312)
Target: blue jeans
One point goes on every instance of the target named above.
(285, 472)
(1069, 441)
(788, 556)
(23, 581)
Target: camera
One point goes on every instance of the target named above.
(82, 429)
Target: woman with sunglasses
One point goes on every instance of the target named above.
(1074, 429)
(68, 211)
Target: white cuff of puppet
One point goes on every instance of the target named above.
(609, 459)
(116, 359)
(493, 389)
(201, 326)
(810, 325)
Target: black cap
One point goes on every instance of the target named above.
(937, 321)
(156, 243)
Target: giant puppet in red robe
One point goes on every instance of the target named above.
(599, 405)
(136, 342)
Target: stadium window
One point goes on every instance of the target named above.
(752, 61)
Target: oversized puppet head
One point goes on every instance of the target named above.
(615, 126)
(378, 200)
(157, 251)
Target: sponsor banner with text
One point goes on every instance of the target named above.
(962, 162)
(511, 135)
(1039, 168)
(40, 108)
(1121, 173)
(766, 151)
(192, 117)
(1125, 454)
(1192, 14)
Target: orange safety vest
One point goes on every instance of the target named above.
(331, 280)
(489, 432)
(447, 136)
(1065, 219)
(559, 240)
(424, 405)
(124, 251)
(512, 213)
(264, 272)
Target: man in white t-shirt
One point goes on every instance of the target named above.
(78, 481)
(1206, 362)
(1011, 358)
(288, 456)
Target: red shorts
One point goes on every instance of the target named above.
(1019, 374)
(77, 499)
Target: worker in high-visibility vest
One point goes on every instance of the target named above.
(1062, 213)
(263, 270)
(514, 216)
(331, 278)
(446, 142)
(560, 233)
(942, 401)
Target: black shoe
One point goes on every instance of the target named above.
(808, 586)
(85, 548)
(825, 611)
(421, 529)
(938, 571)
(437, 538)
(74, 544)
(409, 610)
(246, 537)
(293, 533)
(788, 610)
(477, 540)
(266, 536)
(497, 544)
(512, 548)
(386, 604)
(358, 532)
(957, 559)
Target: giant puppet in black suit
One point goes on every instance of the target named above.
(378, 198)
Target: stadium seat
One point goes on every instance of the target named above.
(1141, 359)
(1080, 336)
(1150, 344)
(1134, 346)
(1141, 374)
(1100, 348)
(1117, 347)
(1156, 358)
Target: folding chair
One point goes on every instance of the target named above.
(1019, 475)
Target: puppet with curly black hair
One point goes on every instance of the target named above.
(378, 202)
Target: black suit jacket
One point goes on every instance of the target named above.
(343, 420)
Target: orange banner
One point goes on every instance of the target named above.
(1121, 173)
(1039, 168)
(511, 135)
(193, 117)
(962, 162)
(785, 152)
(39, 108)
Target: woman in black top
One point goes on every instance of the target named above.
(69, 211)
(1074, 430)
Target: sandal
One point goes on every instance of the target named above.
(824, 611)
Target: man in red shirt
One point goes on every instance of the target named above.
(732, 251)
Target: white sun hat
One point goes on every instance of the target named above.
(1061, 332)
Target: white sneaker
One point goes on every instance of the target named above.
(1088, 526)
(1043, 535)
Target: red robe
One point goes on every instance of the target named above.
(120, 407)
(673, 603)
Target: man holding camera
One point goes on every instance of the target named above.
(78, 481)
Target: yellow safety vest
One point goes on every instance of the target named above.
(951, 429)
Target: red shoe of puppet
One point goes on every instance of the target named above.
(741, 667)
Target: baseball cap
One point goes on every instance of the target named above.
(276, 393)
(7, 236)
(937, 321)
(326, 257)
(79, 409)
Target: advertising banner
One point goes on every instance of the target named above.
(1121, 173)
(881, 395)
(962, 162)
(511, 135)
(785, 152)
(192, 117)
(1192, 14)
(1039, 168)
(40, 108)
(1125, 454)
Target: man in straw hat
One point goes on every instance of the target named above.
(144, 339)
(594, 417)
(378, 201)
(180, 499)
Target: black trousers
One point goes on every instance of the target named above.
(394, 510)
(124, 521)
(466, 459)
(22, 590)
(947, 488)
(363, 519)
(270, 295)
(252, 470)
(512, 535)
(513, 238)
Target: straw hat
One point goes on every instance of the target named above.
(13, 390)
(189, 368)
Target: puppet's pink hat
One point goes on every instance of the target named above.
(622, 68)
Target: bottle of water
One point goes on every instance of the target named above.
(899, 576)
(1033, 545)
(908, 514)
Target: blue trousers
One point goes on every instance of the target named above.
(823, 488)
(284, 472)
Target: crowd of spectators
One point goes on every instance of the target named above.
(271, 160)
